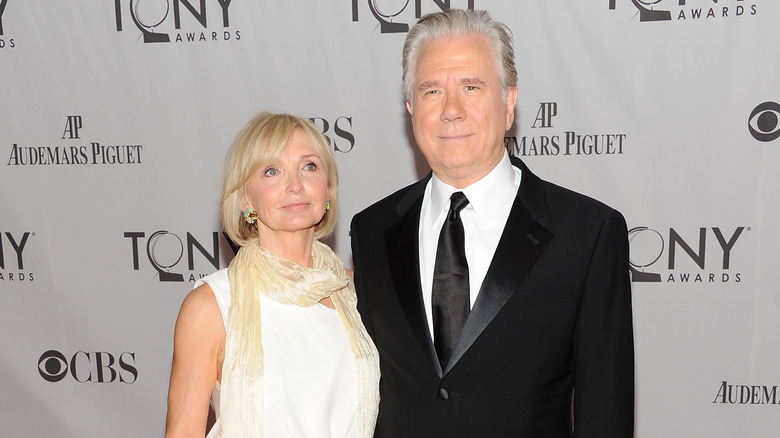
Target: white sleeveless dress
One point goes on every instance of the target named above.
(310, 388)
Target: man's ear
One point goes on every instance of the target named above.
(409, 108)
(511, 100)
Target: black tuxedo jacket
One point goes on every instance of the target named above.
(551, 326)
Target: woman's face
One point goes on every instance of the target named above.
(289, 194)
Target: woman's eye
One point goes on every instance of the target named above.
(310, 166)
(271, 172)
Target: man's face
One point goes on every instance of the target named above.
(459, 114)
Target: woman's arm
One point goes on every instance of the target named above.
(198, 352)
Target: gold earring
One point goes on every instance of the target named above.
(327, 205)
(250, 215)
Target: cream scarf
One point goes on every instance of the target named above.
(257, 270)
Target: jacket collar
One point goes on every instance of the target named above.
(522, 243)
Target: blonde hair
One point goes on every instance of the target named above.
(260, 142)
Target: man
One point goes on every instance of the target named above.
(529, 334)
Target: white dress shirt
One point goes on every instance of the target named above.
(484, 218)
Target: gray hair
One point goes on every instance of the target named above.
(458, 22)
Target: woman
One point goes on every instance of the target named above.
(275, 340)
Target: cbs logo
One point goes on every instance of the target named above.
(764, 122)
(95, 367)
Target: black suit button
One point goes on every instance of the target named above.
(444, 394)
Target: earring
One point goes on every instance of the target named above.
(327, 205)
(250, 215)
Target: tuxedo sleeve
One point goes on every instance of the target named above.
(604, 342)
(360, 287)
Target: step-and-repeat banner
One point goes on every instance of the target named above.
(115, 117)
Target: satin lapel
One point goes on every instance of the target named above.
(522, 243)
(402, 241)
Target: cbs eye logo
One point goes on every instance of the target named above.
(53, 366)
(764, 122)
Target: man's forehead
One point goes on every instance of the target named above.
(466, 51)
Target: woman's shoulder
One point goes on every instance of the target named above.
(200, 300)
(217, 286)
(217, 280)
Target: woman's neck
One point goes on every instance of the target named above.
(295, 246)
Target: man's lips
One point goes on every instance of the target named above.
(454, 137)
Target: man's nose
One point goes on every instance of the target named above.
(453, 108)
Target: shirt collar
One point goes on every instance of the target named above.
(487, 196)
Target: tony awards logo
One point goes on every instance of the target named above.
(12, 247)
(5, 42)
(163, 21)
(396, 16)
(667, 10)
(165, 250)
(687, 255)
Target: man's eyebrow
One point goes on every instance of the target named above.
(472, 81)
(465, 81)
(428, 84)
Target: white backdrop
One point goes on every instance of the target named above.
(112, 143)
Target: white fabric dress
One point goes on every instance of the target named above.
(310, 389)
